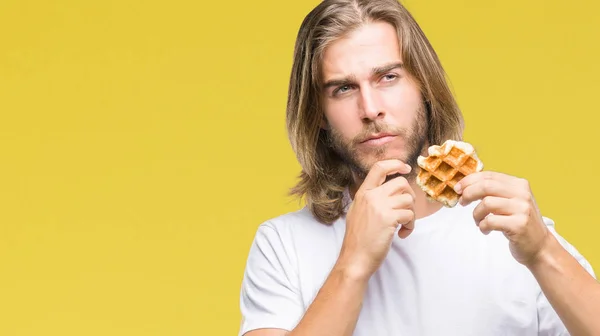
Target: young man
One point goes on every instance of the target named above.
(369, 254)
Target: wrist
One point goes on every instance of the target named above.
(546, 254)
(352, 270)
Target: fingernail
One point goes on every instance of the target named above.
(408, 167)
(458, 188)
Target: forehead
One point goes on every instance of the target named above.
(371, 45)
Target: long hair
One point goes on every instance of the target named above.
(324, 175)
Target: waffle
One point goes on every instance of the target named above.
(444, 167)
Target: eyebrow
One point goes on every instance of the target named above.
(379, 70)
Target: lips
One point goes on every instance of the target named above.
(379, 139)
(378, 136)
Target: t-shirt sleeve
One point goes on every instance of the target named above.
(549, 324)
(269, 295)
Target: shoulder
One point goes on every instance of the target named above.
(302, 216)
(551, 225)
(298, 225)
(299, 239)
(273, 247)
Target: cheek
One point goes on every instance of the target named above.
(402, 104)
(341, 116)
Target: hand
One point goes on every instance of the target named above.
(374, 216)
(507, 205)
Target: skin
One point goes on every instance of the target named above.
(370, 93)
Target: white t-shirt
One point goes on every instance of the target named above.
(446, 278)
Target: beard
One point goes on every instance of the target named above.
(357, 160)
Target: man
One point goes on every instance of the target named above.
(369, 254)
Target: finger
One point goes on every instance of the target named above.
(406, 218)
(405, 231)
(380, 170)
(398, 185)
(496, 206)
(481, 176)
(488, 187)
(500, 223)
(402, 201)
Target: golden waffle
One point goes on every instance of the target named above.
(444, 167)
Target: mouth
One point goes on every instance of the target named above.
(378, 139)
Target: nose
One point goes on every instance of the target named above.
(369, 104)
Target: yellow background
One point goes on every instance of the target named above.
(142, 143)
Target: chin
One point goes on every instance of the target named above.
(373, 158)
(392, 155)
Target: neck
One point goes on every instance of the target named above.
(423, 207)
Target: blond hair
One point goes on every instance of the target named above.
(324, 175)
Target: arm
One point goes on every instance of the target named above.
(371, 224)
(571, 290)
(335, 309)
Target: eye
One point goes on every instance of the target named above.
(342, 89)
(390, 77)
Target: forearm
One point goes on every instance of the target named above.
(571, 290)
(336, 307)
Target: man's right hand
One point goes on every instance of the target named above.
(373, 217)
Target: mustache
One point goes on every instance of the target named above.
(377, 127)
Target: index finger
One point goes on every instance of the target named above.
(381, 170)
(479, 176)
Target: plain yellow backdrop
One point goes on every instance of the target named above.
(143, 142)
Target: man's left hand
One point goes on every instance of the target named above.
(507, 205)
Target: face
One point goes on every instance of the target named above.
(373, 108)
